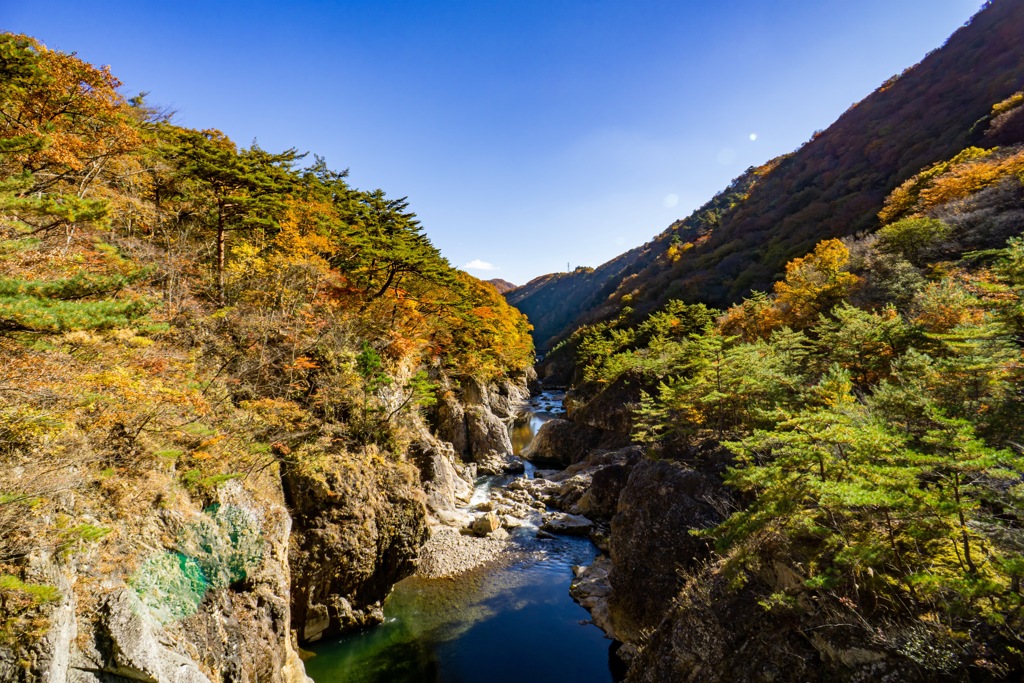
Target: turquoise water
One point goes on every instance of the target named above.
(515, 623)
(498, 624)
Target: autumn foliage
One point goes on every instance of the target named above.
(177, 311)
(870, 412)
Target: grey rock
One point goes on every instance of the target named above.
(651, 540)
(136, 647)
(569, 525)
(590, 588)
(487, 434)
(440, 476)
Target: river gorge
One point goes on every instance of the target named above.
(509, 619)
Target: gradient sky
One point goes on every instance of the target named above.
(527, 134)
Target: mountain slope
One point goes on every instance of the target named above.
(502, 285)
(832, 186)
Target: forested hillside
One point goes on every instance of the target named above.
(179, 313)
(864, 419)
(833, 186)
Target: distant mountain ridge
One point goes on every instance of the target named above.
(502, 285)
(832, 186)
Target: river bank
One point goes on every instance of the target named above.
(487, 606)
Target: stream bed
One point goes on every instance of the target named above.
(508, 622)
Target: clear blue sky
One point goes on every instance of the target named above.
(526, 133)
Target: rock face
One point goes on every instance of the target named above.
(611, 409)
(487, 435)
(128, 646)
(215, 609)
(360, 521)
(475, 419)
(804, 640)
(592, 486)
(442, 477)
(601, 499)
(562, 442)
(651, 541)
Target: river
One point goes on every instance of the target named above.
(509, 623)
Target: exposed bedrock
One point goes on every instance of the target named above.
(475, 418)
(651, 541)
(359, 523)
(563, 443)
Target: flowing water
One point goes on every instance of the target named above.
(501, 624)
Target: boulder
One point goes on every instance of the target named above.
(485, 524)
(569, 525)
(498, 463)
(601, 499)
(562, 442)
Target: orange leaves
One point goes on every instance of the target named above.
(963, 180)
(75, 107)
(301, 364)
(484, 312)
(814, 284)
(753, 319)
(968, 172)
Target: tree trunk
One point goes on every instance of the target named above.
(220, 257)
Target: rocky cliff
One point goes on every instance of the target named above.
(224, 588)
(206, 599)
(682, 612)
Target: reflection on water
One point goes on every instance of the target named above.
(542, 408)
(496, 625)
(501, 624)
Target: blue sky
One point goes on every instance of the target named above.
(527, 134)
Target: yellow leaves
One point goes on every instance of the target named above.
(1012, 102)
(276, 412)
(963, 180)
(676, 251)
(814, 283)
(965, 174)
